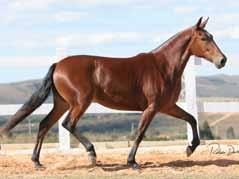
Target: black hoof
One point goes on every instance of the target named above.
(133, 165)
(38, 165)
(189, 151)
(92, 159)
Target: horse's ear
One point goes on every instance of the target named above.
(198, 25)
(203, 25)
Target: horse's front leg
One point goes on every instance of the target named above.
(179, 113)
(146, 118)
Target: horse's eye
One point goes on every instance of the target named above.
(204, 39)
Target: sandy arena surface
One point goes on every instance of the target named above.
(111, 163)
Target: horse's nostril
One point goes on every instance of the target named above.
(223, 61)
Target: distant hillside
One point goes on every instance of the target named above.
(13, 93)
(19, 92)
(218, 86)
(221, 86)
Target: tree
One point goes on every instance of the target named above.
(230, 133)
(206, 132)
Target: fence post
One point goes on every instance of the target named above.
(191, 95)
(64, 136)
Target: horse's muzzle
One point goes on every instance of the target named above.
(222, 63)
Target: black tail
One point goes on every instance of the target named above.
(33, 103)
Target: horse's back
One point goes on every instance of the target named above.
(84, 65)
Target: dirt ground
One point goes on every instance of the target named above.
(111, 164)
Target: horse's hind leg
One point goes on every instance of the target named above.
(70, 124)
(60, 107)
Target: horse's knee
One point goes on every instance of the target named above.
(191, 120)
(153, 108)
(67, 125)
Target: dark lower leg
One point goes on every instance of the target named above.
(36, 152)
(35, 155)
(131, 158)
(40, 137)
(44, 127)
(84, 141)
(196, 141)
(179, 113)
(81, 138)
(146, 118)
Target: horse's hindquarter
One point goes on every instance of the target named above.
(73, 78)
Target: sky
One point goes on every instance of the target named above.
(36, 33)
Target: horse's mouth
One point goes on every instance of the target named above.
(219, 66)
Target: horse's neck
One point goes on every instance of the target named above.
(173, 55)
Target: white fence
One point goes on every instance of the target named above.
(10, 109)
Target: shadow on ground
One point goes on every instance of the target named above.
(152, 165)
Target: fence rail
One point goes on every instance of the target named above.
(64, 137)
(10, 109)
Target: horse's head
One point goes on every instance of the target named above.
(204, 46)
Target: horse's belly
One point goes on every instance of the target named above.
(117, 101)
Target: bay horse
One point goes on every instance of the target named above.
(148, 82)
